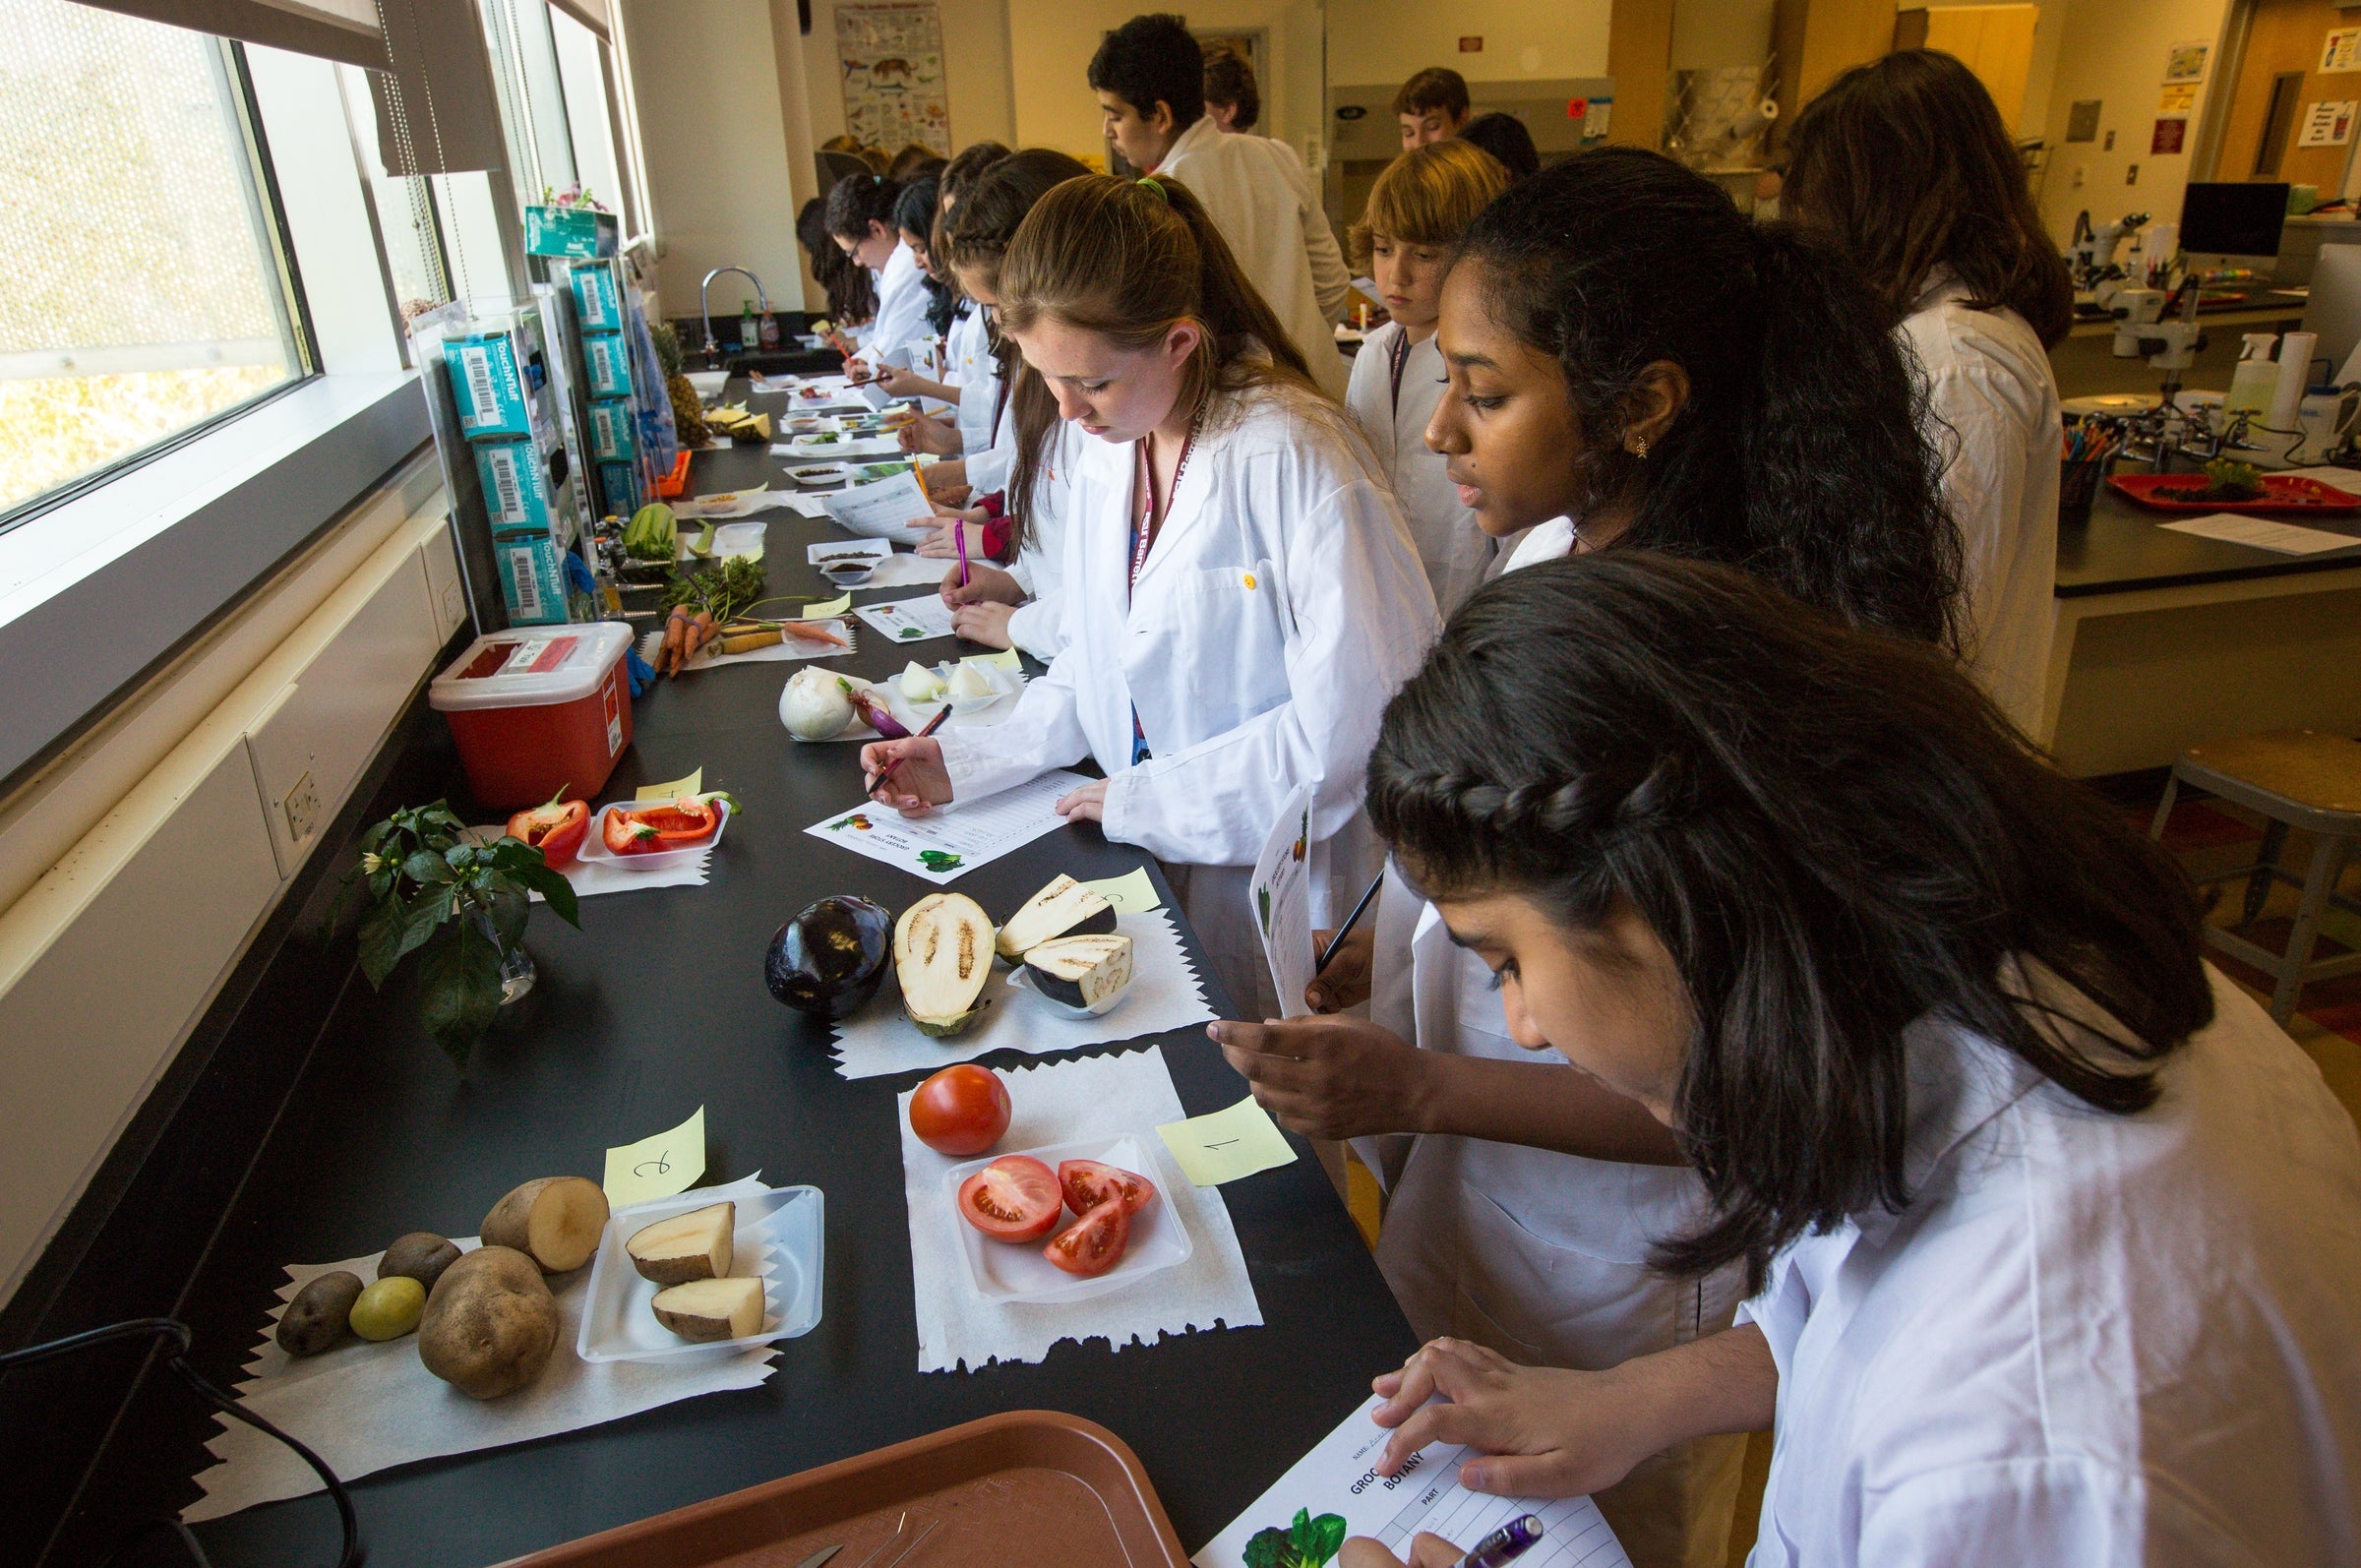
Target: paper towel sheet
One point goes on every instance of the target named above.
(364, 1408)
(1065, 1101)
(1166, 994)
(787, 650)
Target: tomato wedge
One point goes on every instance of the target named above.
(1095, 1243)
(1012, 1199)
(683, 823)
(557, 829)
(1087, 1183)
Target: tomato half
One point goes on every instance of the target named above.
(557, 829)
(1012, 1199)
(1086, 1184)
(961, 1110)
(1095, 1243)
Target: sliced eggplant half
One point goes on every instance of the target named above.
(1084, 974)
(942, 955)
(1064, 907)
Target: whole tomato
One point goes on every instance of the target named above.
(960, 1110)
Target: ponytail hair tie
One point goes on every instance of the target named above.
(1156, 184)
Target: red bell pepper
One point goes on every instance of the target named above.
(683, 823)
(557, 829)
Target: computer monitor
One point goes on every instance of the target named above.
(2333, 310)
(2235, 220)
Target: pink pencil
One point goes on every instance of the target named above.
(959, 532)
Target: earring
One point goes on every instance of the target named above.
(1637, 446)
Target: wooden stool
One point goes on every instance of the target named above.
(2297, 779)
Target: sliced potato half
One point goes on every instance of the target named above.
(688, 1246)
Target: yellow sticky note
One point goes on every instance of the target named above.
(1006, 660)
(1134, 895)
(836, 606)
(1227, 1144)
(694, 784)
(659, 1166)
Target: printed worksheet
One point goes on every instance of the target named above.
(909, 620)
(895, 507)
(1335, 1492)
(1281, 888)
(2264, 534)
(946, 844)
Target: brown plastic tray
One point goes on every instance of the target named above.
(1032, 1487)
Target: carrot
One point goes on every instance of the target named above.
(676, 629)
(815, 631)
(701, 631)
(749, 641)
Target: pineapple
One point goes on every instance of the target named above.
(687, 415)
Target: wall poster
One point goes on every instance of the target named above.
(2183, 62)
(889, 59)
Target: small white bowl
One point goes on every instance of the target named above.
(1017, 1271)
(818, 474)
(594, 846)
(780, 1231)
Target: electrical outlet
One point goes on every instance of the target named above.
(2131, 175)
(302, 807)
(2079, 173)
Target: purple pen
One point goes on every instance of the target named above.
(1505, 1544)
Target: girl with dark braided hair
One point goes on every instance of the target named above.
(1622, 347)
(2050, 1232)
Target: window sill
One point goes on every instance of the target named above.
(123, 573)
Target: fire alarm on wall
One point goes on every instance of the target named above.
(1471, 43)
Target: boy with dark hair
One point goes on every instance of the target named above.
(1149, 74)
(1232, 97)
(1431, 106)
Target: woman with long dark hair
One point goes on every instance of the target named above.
(1630, 362)
(2052, 1232)
(851, 298)
(1907, 165)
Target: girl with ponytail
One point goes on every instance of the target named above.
(1631, 365)
(1239, 593)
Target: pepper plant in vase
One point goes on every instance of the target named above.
(461, 903)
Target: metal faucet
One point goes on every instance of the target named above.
(707, 310)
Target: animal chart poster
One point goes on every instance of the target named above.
(891, 61)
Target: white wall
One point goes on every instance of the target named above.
(1386, 40)
(2113, 50)
(706, 77)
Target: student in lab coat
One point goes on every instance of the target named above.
(1150, 78)
(1906, 162)
(971, 375)
(1032, 456)
(2052, 1232)
(1622, 345)
(1415, 216)
(860, 221)
(1241, 595)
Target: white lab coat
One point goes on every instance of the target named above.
(1457, 554)
(1038, 625)
(902, 302)
(1992, 410)
(1541, 1257)
(2097, 1339)
(977, 375)
(1280, 608)
(1276, 227)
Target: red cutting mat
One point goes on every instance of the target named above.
(2280, 493)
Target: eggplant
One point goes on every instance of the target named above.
(1064, 907)
(830, 959)
(942, 955)
(1086, 974)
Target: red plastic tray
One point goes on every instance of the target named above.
(1027, 1486)
(2280, 493)
(672, 484)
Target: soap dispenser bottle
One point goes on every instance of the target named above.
(2256, 377)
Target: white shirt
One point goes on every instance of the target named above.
(1993, 409)
(1039, 625)
(1275, 227)
(2089, 1340)
(1279, 609)
(977, 375)
(1454, 550)
(901, 306)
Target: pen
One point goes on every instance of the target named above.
(1345, 929)
(1505, 1544)
(959, 532)
(932, 725)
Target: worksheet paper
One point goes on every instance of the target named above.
(912, 620)
(894, 509)
(952, 840)
(1339, 1478)
(2345, 479)
(1281, 888)
(2264, 534)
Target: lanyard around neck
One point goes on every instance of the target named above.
(1151, 516)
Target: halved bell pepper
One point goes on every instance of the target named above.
(557, 829)
(683, 823)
